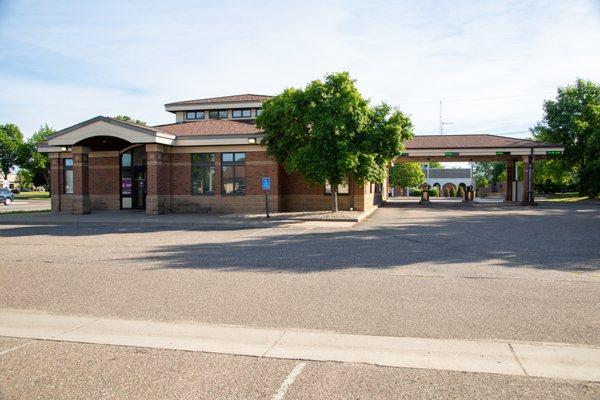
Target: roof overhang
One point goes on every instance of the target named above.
(217, 140)
(104, 126)
(478, 154)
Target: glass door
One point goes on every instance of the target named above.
(133, 179)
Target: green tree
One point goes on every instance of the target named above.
(406, 174)
(328, 131)
(550, 176)
(434, 164)
(37, 164)
(25, 179)
(127, 118)
(573, 120)
(489, 172)
(11, 147)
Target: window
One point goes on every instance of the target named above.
(258, 111)
(194, 115)
(217, 114)
(203, 173)
(68, 171)
(233, 175)
(343, 188)
(241, 114)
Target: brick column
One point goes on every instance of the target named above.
(56, 175)
(81, 187)
(528, 199)
(510, 177)
(156, 179)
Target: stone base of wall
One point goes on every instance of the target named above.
(224, 204)
(105, 201)
(64, 203)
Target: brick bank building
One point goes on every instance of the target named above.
(210, 159)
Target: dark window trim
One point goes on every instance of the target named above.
(187, 118)
(242, 111)
(65, 169)
(339, 194)
(219, 114)
(203, 164)
(233, 164)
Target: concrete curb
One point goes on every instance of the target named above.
(145, 222)
(549, 360)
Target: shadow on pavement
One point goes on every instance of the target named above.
(557, 239)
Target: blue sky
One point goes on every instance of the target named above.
(491, 62)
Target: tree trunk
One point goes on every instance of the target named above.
(334, 198)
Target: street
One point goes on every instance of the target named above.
(445, 272)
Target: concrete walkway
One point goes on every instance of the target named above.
(187, 220)
(551, 360)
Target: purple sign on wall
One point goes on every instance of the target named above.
(126, 185)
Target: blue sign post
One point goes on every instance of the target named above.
(266, 186)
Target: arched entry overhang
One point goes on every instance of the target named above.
(108, 148)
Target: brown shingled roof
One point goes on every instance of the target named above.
(470, 141)
(209, 127)
(238, 98)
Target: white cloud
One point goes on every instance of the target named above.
(72, 61)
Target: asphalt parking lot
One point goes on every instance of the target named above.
(520, 274)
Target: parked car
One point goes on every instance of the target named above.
(6, 196)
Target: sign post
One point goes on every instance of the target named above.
(266, 186)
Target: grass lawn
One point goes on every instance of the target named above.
(32, 195)
(570, 197)
(23, 212)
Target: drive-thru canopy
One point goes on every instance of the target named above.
(449, 148)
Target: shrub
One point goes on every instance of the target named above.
(461, 192)
(434, 192)
(446, 192)
(452, 192)
(415, 192)
(589, 179)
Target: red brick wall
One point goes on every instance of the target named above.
(258, 164)
(104, 182)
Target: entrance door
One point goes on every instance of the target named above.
(133, 179)
(139, 188)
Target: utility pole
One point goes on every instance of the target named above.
(442, 123)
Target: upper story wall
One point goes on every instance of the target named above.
(242, 107)
(235, 114)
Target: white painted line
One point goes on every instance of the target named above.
(288, 381)
(3, 352)
(552, 360)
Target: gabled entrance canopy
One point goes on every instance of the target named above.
(106, 128)
(450, 148)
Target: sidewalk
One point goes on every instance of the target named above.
(140, 218)
(550, 360)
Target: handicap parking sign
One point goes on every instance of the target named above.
(266, 183)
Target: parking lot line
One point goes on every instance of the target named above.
(551, 360)
(288, 381)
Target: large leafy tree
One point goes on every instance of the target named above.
(406, 174)
(489, 172)
(328, 131)
(573, 120)
(127, 118)
(550, 176)
(11, 147)
(37, 164)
